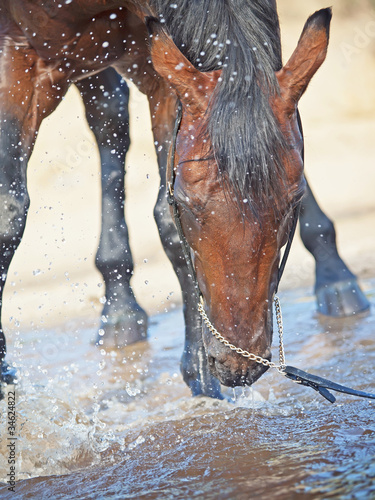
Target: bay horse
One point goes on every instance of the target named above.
(237, 167)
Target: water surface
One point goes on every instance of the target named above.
(95, 424)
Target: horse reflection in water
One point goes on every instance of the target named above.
(237, 168)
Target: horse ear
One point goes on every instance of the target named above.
(193, 87)
(310, 53)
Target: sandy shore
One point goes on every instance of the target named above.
(53, 278)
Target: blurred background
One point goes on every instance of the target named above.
(53, 277)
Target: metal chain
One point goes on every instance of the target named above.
(279, 319)
(258, 359)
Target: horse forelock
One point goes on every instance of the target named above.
(242, 38)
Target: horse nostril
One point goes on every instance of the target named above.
(211, 362)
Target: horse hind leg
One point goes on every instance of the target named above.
(336, 288)
(106, 97)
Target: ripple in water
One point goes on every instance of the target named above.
(94, 423)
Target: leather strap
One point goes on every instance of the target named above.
(172, 202)
(292, 232)
(321, 384)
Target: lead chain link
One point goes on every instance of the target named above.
(246, 354)
(279, 319)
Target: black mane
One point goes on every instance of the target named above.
(241, 37)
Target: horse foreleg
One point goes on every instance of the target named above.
(337, 290)
(28, 93)
(194, 364)
(14, 202)
(106, 97)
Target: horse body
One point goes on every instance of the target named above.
(239, 151)
(77, 39)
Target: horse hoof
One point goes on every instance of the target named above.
(198, 378)
(210, 391)
(123, 329)
(341, 299)
(8, 375)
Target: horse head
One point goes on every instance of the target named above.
(236, 226)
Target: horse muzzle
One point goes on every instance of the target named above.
(232, 370)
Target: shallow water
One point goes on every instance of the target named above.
(95, 424)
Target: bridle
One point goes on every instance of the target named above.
(317, 383)
(189, 262)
